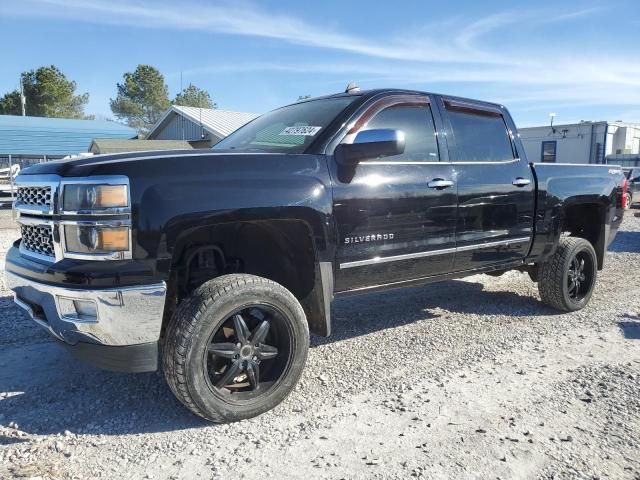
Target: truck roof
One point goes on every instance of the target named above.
(379, 91)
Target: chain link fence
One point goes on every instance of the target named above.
(10, 167)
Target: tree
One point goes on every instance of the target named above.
(193, 96)
(48, 93)
(10, 104)
(142, 98)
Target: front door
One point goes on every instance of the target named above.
(395, 216)
(496, 189)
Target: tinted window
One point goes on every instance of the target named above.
(416, 122)
(288, 129)
(480, 137)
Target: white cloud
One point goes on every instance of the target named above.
(443, 41)
(420, 57)
(575, 14)
(469, 36)
(571, 84)
(457, 40)
(567, 72)
(240, 20)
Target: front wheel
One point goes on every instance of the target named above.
(236, 347)
(628, 201)
(566, 281)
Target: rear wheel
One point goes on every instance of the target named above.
(236, 347)
(628, 200)
(567, 279)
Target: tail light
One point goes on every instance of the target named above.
(625, 187)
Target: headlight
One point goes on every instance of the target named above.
(96, 239)
(79, 197)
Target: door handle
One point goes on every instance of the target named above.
(440, 183)
(521, 182)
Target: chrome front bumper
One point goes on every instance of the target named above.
(124, 316)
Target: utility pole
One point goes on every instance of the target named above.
(23, 99)
(181, 116)
(11, 175)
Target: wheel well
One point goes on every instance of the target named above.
(280, 250)
(586, 220)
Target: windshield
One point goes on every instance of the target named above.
(286, 130)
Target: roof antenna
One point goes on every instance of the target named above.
(352, 88)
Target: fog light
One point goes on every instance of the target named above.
(76, 309)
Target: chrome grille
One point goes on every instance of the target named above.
(39, 196)
(38, 239)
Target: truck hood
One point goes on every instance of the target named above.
(182, 164)
(64, 167)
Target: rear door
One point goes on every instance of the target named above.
(495, 187)
(395, 216)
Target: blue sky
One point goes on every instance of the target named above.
(579, 59)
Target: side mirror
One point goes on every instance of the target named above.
(370, 144)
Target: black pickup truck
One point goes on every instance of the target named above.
(227, 258)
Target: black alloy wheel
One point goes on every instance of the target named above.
(248, 353)
(579, 276)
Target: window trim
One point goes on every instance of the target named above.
(382, 104)
(390, 101)
(555, 150)
(472, 108)
(483, 109)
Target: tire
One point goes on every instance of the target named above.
(629, 201)
(205, 345)
(556, 286)
(534, 273)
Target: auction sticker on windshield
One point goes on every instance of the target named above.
(306, 130)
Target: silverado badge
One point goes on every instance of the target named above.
(376, 237)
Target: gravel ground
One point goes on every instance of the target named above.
(470, 378)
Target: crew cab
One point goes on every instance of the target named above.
(228, 258)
